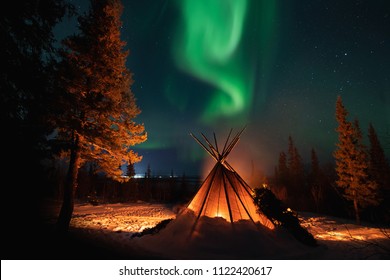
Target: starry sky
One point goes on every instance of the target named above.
(275, 66)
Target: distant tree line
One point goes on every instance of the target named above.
(358, 184)
(96, 188)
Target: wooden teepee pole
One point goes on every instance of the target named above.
(209, 151)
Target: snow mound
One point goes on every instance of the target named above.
(215, 238)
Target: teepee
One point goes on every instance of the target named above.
(221, 221)
(224, 193)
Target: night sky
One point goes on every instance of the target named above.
(275, 66)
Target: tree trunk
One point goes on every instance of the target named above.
(356, 208)
(70, 188)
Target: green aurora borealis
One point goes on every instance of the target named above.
(210, 49)
(210, 45)
(276, 66)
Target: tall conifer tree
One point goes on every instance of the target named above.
(296, 170)
(282, 170)
(98, 105)
(27, 46)
(352, 163)
(379, 168)
(130, 170)
(315, 180)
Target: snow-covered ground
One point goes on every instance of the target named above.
(113, 225)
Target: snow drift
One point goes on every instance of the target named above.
(214, 238)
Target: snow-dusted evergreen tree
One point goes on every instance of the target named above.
(369, 193)
(352, 163)
(98, 105)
